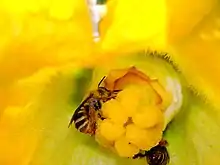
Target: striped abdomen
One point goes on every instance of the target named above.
(84, 120)
(158, 155)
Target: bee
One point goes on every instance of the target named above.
(157, 155)
(87, 113)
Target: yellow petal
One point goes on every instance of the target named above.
(198, 56)
(155, 19)
(31, 41)
(135, 24)
(62, 10)
(24, 91)
(28, 116)
(113, 76)
(178, 28)
(165, 95)
(17, 144)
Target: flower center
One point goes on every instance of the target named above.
(135, 119)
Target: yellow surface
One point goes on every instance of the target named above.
(148, 117)
(130, 111)
(38, 34)
(113, 111)
(124, 149)
(111, 131)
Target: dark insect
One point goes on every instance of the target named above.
(86, 115)
(157, 155)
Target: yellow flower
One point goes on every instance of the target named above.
(44, 46)
(134, 115)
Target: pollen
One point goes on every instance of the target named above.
(141, 138)
(130, 103)
(113, 110)
(124, 148)
(134, 120)
(111, 131)
(148, 117)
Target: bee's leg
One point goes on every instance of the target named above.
(139, 155)
(163, 142)
(111, 97)
(113, 94)
(100, 116)
(116, 91)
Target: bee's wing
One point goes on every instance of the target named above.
(84, 101)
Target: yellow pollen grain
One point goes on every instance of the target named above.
(124, 148)
(154, 135)
(111, 131)
(148, 117)
(114, 111)
(101, 140)
(130, 98)
(139, 137)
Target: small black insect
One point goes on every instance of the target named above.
(86, 115)
(157, 155)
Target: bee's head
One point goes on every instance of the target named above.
(103, 92)
(95, 103)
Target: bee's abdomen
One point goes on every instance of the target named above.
(78, 114)
(158, 155)
(81, 120)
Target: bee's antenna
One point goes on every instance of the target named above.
(101, 81)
